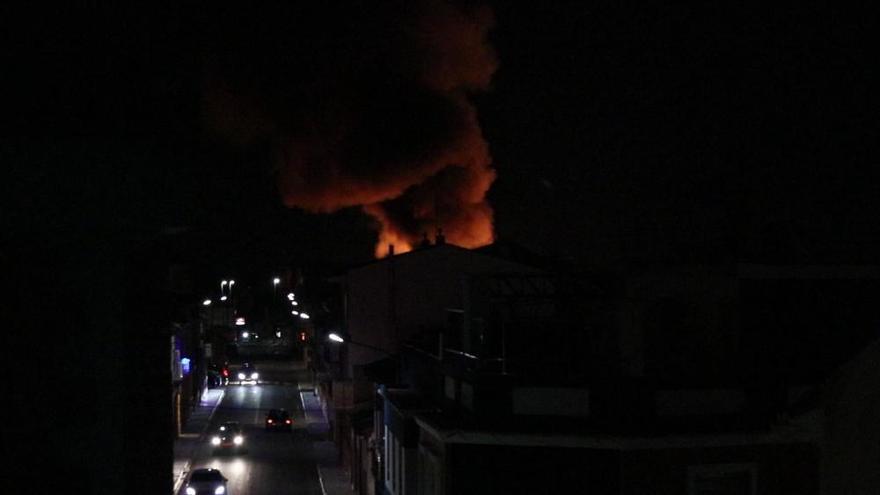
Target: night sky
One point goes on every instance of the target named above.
(658, 133)
(684, 134)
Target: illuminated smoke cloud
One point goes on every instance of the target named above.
(365, 108)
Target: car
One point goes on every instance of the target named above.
(248, 374)
(279, 419)
(228, 438)
(206, 481)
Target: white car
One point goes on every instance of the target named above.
(205, 481)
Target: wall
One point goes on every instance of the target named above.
(787, 469)
(851, 450)
(425, 284)
(483, 469)
(678, 322)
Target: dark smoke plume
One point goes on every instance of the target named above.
(365, 106)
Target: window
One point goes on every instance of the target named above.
(429, 473)
(723, 479)
(393, 463)
(398, 467)
(449, 386)
(389, 456)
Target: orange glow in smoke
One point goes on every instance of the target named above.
(411, 154)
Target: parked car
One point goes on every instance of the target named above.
(279, 419)
(214, 379)
(206, 481)
(229, 438)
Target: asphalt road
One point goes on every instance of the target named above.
(274, 462)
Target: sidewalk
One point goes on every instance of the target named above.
(333, 478)
(190, 439)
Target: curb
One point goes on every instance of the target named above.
(182, 476)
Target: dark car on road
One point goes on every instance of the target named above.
(206, 481)
(214, 379)
(228, 438)
(248, 374)
(279, 419)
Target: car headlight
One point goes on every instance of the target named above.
(190, 490)
(215, 441)
(241, 376)
(254, 376)
(220, 490)
(238, 440)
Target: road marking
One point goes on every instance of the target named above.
(321, 480)
(178, 483)
(213, 410)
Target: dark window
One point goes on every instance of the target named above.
(199, 476)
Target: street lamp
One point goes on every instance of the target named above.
(339, 339)
(304, 316)
(223, 284)
(206, 302)
(223, 298)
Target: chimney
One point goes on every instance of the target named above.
(440, 239)
(391, 250)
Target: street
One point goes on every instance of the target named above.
(274, 462)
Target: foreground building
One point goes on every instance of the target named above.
(687, 379)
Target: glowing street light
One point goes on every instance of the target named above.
(335, 337)
(223, 298)
(223, 284)
(231, 283)
(245, 334)
(206, 302)
(239, 322)
(304, 316)
(290, 296)
(294, 303)
(294, 312)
